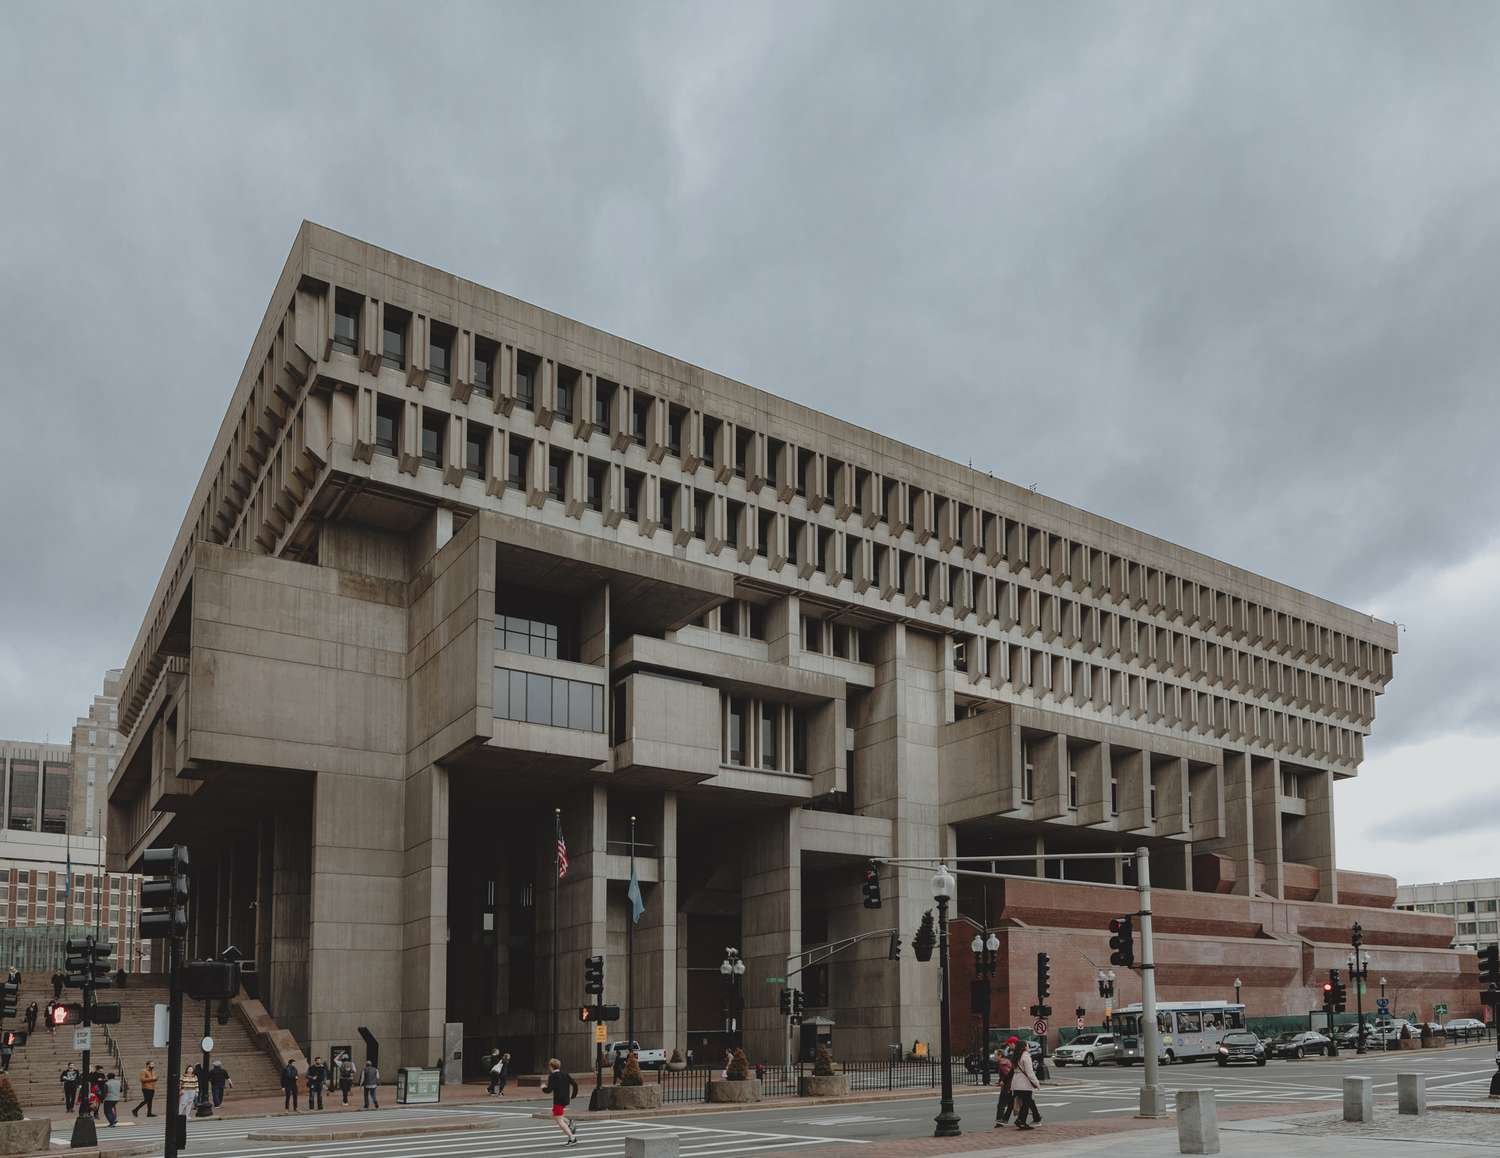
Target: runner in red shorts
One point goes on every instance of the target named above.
(564, 1089)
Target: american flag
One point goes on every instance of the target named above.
(562, 856)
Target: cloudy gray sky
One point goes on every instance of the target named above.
(1224, 272)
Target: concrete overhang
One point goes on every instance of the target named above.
(732, 672)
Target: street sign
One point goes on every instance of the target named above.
(775, 980)
(601, 1032)
(1039, 1027)
(1384, 1005)
(1441, 1009)
(1080, 1023)
(208, 1045)
(83, 1038)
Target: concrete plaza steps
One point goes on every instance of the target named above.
(35, 1067)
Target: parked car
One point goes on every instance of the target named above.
(649, 1058)
(1240, 1045)
(1087, 1049)
(1298, 1044)
(1465, 1027)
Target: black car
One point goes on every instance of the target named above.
(1241, 1045)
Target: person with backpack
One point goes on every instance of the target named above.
(218, 1078)
(289, 1087)
(317, 1076)
(499, 1072)
(564, 1089)
(370, 1082)
(345, 1076)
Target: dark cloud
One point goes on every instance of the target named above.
(1223, 273)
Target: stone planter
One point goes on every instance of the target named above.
(732, 1092)
(28, 1136)
(676, 1067)
(1408, 1043)
(643, 1097)
(813, 1086)
(1435, 1043)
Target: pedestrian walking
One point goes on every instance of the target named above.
(218, 1078)
(51, 1029)
(370, 1082)
(346, 1077)
(317, 1078)
(619, 1065)
(564, 1089)
(59, 979)
(1023, 1084)
(1006, 1101)
(187, 1097)
(113, 1092)
(96, 1090)
(148, 1091)
(499, 1063)
(70, 1078)
(6, 1051)
(31, 1012)
(289, 1087)
(504, 1074)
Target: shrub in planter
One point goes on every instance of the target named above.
(738, 1069)
(10, 1105)
(18, 1133)
(822, 1063)
(632, 1074)
(822, 1082)
(676, 1061)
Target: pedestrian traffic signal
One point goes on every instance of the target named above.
(1043, 978)
(164, 897)
(894, 953)
(10, 995)
(599, 1013)
(871, 887)
(14, 1037)
(67, 1014)
(1489, 973)
(1122, 941)
(1328, 996)
(925, 941)
(1338, 994)
(593, 976)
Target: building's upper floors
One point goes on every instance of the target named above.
(37, 784)
(379, 377)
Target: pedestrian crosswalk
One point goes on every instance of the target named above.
(514, 1135)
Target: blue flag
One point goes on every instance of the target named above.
(637, 901)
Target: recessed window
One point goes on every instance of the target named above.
(527, 368)
(640, 410)
(677, 419)
(433, 422)
(794, 540)
(812, 636)
(486, 354)
(770, 736)
(806, 460)
(710, 438)
(440, 351)
(732, 523)
(476, 446)
(669, 505)
(701, 501)
(744, 442)
(567, 392)
(766, 531)
(729, 618)
(604, 394)
(346, 321)
(735, 741)
(393, 338)
(1114, 796)
(597, 473)
(387, 425)
(1028, 781)
(799, 741)
(517, 458)
(635, 485)
(557, 474)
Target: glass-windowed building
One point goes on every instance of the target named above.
(1474, 906)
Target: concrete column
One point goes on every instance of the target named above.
(1049, 755)
(582, 924)
(1197, 1122)
(1411, 1094)
(424, 888)
(1265, 790)
(770, 923)
(1130, 766)
(291, 859)
(1316, 846)
(784, 630)
(1236, 841)
(1169, 774)
(656, 1013)
(1359, 1099)
(1091, 765)
(356, 914)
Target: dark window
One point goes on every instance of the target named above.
(701, 501)
(710, 438)
(766, 532)
(516, 459)
(799, 740)
(604, 393)
(729, 618)
(757, 617)
(529, 698)
(387, 425)
(861, 480)
(24, 775)
(557, 474)
(668, 505)
(486, 354)
(596, 477)
(433, 422)
(840, 639)
(635, 484)
(640, 409)
(735, 741)
(743, 444)
(617, 713)
(825, 546)
(793, 540)
(770, 736)
(732, 524)
(346, 321)
(851, 554)
(677, 417)
(805, 463)
(476, 444)
(567, 392)
(393, 338)
(439, 351)
(526, 636)
(812, 636)
(527, 367)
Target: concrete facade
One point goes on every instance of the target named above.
(456, 563)
(1474, 906)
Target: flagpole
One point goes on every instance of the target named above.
(556, 889)
(630, 950)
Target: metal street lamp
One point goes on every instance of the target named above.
(1382, 987)
(942, 892)
(1237, 984)
(732, 969)
(985, 947)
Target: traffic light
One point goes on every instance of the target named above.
(871, 886)
(894, 953)
(798, 1005)
(599, 1013)
(1043, 978)
(593, 976)
(925, 941)
(1122, 941)
(1357, 935)
(10, 995)
(15, 1037)
(1334, 992)
(88, 964)
(70, 1014)
(164, 898)
(101, 968)
(786, 1003)
(1489, 974)
(1328, 996)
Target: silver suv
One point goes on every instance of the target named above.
(1087, 1049)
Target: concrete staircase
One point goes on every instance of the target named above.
(34, 1068)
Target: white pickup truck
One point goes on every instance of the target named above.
(649, 1058)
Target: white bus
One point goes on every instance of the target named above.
(1187, 1030)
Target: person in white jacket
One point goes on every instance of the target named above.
(1023, 1083)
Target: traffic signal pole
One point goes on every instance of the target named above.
(176, 1124)
(1153, 1102)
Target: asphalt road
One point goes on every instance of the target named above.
(1077, 1095)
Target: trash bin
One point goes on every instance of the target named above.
(418, 1084)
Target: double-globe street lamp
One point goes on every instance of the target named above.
(986, 947)
(942, 891)
(732, 969)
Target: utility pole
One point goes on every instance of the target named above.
(1358, 971)
(1153, 1102)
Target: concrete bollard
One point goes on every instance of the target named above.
(1359, 1099)
(1197, 1122)
(651, 1146)
(1411, 1094)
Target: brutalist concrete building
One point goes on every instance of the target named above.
(456, 563)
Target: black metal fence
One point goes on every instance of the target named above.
(684, 1085)
(777, 1081)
